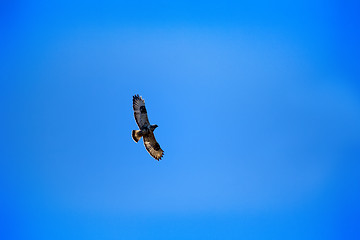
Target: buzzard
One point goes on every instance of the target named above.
(146, 130)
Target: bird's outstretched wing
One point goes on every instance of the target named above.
(140, 113)
(153, 147)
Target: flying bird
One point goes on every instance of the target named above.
(146, 130)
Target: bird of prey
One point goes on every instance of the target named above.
(146, 130)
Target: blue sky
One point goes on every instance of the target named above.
(257, 103)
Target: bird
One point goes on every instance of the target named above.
(146, 130)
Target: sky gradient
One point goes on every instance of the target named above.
(257, 102)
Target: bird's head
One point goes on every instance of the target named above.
(152, 127)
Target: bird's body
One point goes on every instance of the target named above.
(146, 130)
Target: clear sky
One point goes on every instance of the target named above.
(257, 102)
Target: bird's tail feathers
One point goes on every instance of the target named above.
(136, 135)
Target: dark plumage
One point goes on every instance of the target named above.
(146, 130)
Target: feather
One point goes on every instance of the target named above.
(140, 112)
